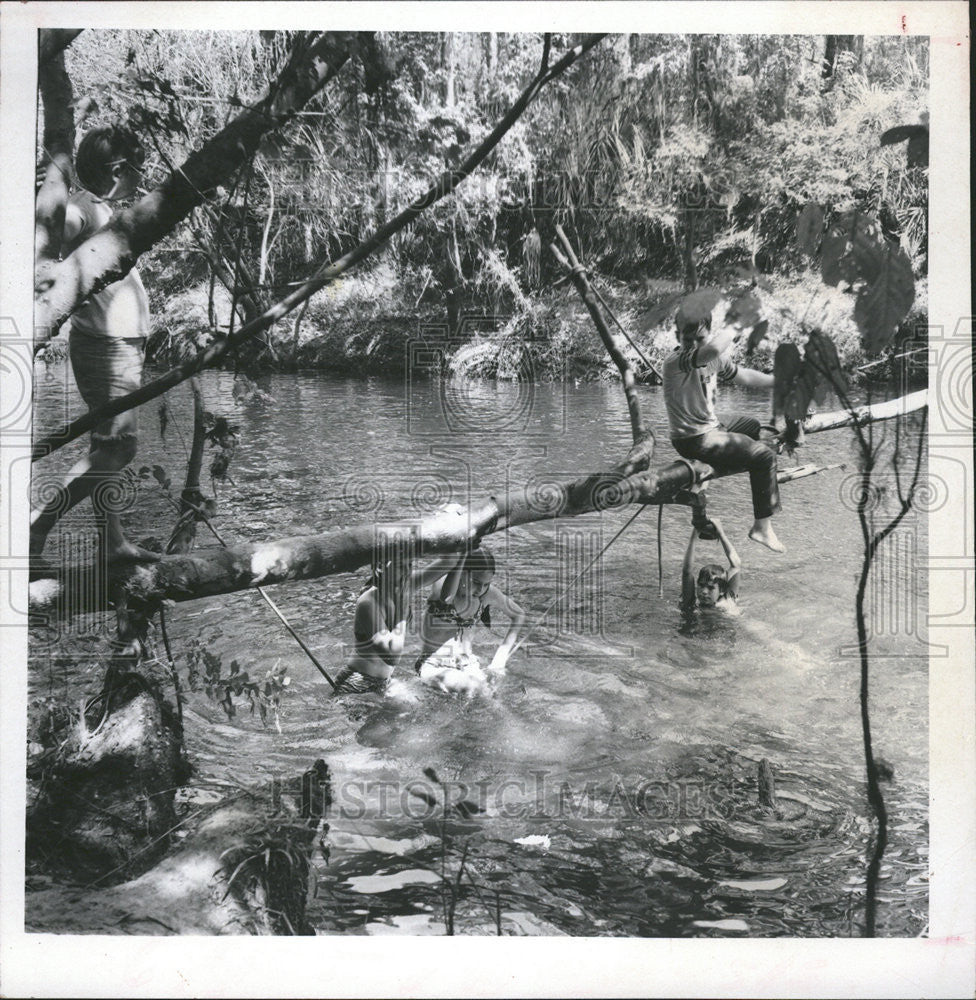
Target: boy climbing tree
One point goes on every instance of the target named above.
(107, 340)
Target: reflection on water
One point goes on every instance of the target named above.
(615, 768)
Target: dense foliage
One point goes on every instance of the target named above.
(671, 160)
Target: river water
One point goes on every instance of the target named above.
(615, 766)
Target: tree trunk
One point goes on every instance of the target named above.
(104, 809)
(244, 869)
(53, 41)
(834, 46)
(449, 65)
(59, 141)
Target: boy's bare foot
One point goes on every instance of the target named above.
(764, 534)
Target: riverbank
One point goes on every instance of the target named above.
(370, 324)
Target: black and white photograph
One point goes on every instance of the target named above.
(481, 483)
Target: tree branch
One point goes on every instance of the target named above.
(615, 346)
(59, 141)
(52, 42)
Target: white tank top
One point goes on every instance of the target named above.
(122, 309)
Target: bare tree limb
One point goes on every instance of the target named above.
(642, 434)
(207, 572)
(59, 141)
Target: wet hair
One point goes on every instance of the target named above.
(479, 560)
(713, 571)
(379, 571)
(100, 150)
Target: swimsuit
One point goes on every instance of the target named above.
(444, 613)
(350, 681)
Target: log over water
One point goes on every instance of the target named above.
(208, 572)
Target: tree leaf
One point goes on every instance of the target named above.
(809, 227)
(853, 249)
(757, 335)
(885, 302)
(821, 354)
(787, 367)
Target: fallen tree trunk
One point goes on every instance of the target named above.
(208, 572)
(244, 869)
(867, 414)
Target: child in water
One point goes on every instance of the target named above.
(464, 597)
(714, 587)
(380, 624)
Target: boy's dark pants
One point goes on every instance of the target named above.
(736, 448)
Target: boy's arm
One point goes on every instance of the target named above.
(687, 570)
(752, 379)
(716, 346)
(516, 620)
(75, 227)
(428, 574)
(450, 585)
(735, 563)
(386, 642)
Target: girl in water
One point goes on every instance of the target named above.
(714, 587)
(380, 624)
(464, 597)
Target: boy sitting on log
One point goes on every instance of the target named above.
(690, 374)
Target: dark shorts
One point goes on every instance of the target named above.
(106, 368)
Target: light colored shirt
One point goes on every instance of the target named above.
(689, 391)
(120, 310)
